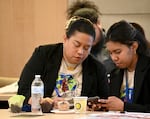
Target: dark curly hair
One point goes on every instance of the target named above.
(84, 8)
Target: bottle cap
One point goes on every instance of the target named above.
(37, 76)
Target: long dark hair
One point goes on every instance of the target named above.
(97, 48)
(125, 33)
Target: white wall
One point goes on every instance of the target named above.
(130, 10)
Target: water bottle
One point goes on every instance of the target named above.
(37, 92)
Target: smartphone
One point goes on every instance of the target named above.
(93, 104)
(93, 99)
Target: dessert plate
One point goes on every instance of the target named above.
(27, 114)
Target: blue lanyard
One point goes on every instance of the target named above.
(57, 92)
(127, 85)
(128, 91)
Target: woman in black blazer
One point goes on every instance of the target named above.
(72, 58)
(130, 83)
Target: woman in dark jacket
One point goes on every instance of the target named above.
(130, 83)
(70, 58)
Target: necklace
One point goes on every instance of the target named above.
(70, 67)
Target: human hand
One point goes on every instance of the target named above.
(47, 100)
(29, 101)
(56, 100)
(43, 100)
(112, 103)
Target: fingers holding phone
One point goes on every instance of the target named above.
(96, 104)
(93, 104)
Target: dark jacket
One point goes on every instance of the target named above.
(46, 61)
(141, 94)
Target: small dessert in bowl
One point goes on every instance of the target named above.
(63, 106)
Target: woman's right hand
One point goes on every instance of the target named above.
(56, 100)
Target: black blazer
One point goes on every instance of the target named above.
(46, 61)
(141, 95)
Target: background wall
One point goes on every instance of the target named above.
(24, 25)
(130, 10)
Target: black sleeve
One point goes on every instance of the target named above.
(34, 66)
(136, 108)
(103, 81)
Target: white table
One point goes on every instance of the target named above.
(6, 114)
